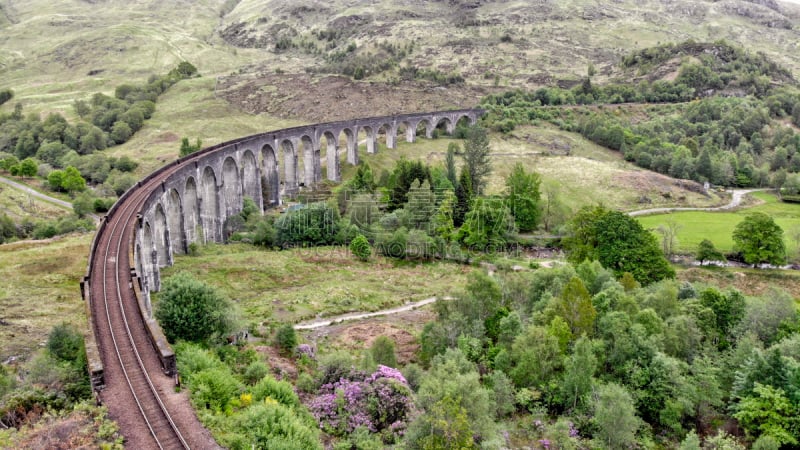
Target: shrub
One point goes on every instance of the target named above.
(191, 310)
(214, 388)
(382, 351)
(274, 426)
(65, 343)
(285, 339)
(381, 401)
(280, 391)
(192, 359)
(360, 247)
(316, 224)
(255, 371)
(6, 95)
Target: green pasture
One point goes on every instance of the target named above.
(299, 284)
(694, 226)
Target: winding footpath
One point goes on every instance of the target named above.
(358, 316)
(736, 200)
(35, 193)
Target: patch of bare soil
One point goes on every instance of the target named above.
(168, 136)
(284, 368)
(401, 328)
(648, 182)
(310, 98)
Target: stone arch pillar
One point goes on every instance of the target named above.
(332, 156)
(231, 188)
(192, 225)
(271, 179)
(209, 207)
(411, 131)
(352, 145)
(372, 139)
(391, 135)
(311, 161)
(175, 223)
(450, 126)
(161, 239)
(290, 184)
(430, 127)
(251, 179)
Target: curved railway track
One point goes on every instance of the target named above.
(139, 396)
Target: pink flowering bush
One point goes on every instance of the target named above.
(380, 402)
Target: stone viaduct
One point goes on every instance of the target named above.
(194, 203)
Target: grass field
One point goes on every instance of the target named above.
(298, 284)
(694, 226)
(39, 290)
(19, 205)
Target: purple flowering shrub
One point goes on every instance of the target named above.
(380, 402)
(305, 350)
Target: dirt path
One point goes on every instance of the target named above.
(736, 200)
(36, 193)
(314, 324)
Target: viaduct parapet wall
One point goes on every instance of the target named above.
(195, 202)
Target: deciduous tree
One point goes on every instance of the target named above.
(522, 197)
(476, 157)
(760, 240)
(707, 252)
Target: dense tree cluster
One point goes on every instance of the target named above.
(104, 121)
(726, 140)
(27, 228)
(618, 242)
(613, 366)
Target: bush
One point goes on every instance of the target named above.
(255, 371)
(192, 359)
(316, 224)
(360, 247)
(65, 343)
(83, 204)
(273, 426)
(280, 391)
(6, 95)
(187, 148)
(285, 339)
(189, 309)
(214, 388)
(382, 351)
(381, 401)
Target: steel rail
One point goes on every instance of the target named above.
(130, 207)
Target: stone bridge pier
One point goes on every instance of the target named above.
(201, 201)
